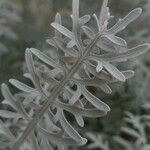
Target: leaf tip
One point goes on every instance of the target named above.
(139, 10)
(84, 141)
(53, 24)
(11, 81)
(3, 85)
(146, 47)
(107, 109)
(58, 14)
(27, 50)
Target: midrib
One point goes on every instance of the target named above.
(31, 125)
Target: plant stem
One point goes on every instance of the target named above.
(31, 125)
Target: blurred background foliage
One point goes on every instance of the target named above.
(28, 25)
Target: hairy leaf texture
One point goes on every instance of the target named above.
(136, 128)
(60, 84)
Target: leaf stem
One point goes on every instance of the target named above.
(32, 124)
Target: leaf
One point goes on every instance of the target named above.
(69, 129)
(103, 75)
(120, 25)
(51, 42)
(91, 113)
(131, 53)
(8, 96)
(89, 33)
(79, 120)
(94, 100)
(79, 117)
(99, 66)
(28, 76)
(75, 96)
(31, 68)
(131, 132)
(109, 43)
(44, 144)
(69, 51)
(106, 45)
(46, 77)
(12, 101)
(97, 21)
(128, 74)
(63, 30)
(85, 19)
(75, 8)
(105, 88)
(128, 54)
(122, 142)
(95, 81)
(44, 58)
(22, 86)
(35, 145)
(111, 69)
(104, 14)
(5, 131)
(9, 114)
(71, 44)
(116, 40)
(51, 117)
(92, 136)
(58, 20)
(114, 71)
(56, 137)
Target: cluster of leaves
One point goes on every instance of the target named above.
(142, 68)
(135, 96)
(135, 134)
(8, 14)
(84, 57)
(98, 141)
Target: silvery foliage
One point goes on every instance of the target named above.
(136, 130)
(140, 90)
(85, 57)
(8, 13)
(141, 67)
(98, 141)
